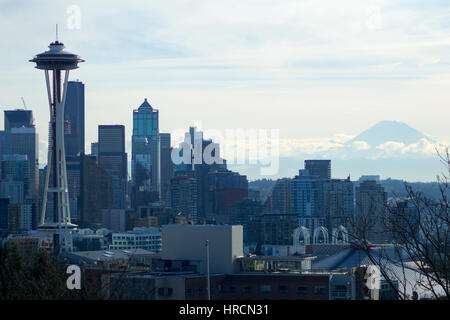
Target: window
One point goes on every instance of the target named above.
(302, 290)
(319, 290)
(265, 288)
(246, 289)
(189, 292)
(283, 289)
(165, 292)
(201, 291)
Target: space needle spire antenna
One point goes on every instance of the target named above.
(55, 62)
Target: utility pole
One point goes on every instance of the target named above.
(207, 270)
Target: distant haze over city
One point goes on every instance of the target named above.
(390, 149)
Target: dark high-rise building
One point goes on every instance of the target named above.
(280, 201)
(4, 203)
(193, 164)
(73, 164)
(321, 168)
(18, 118)
(95, 193)
(166, 167)
(242, 212)
(225, 188)
(184, 197)
(145, 149)
(276, 229)
(74, 119)
(113, 159)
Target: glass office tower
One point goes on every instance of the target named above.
(145, 153)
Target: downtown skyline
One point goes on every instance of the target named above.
(340, 89)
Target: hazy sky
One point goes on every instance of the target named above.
(309, 68)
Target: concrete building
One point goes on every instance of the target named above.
(187, 242)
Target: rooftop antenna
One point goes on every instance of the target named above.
(24, 105)
(56, 32)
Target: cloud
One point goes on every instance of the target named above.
(360, 145)
(393, 149)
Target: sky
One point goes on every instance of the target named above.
(311, 69)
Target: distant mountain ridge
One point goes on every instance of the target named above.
(385, 131)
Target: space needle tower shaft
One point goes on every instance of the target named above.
(55, 62)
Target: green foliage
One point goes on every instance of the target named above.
(42, 279)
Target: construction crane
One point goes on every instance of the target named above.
(24, 105)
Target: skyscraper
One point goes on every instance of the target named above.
(15, 179)
(166, 166)
(113, 159)
(145, 149)
(4, 204)
(225, 188)
(280, 201)
(184, 197)
(95, 193)
(307, 199)
(21, 138)
(371, 200)
(18, 118)
(200, 169)
(321, 168)
(338, 199)
(74, 119)
(74, 183)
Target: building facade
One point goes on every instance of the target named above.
(145, 154)
(113, 159)
(321, 168)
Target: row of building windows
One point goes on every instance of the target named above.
(246, 289)
(137, 238)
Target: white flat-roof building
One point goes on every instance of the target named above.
(139, 238)
(187, 242)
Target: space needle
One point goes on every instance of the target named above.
(54, 61)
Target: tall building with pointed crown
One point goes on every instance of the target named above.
(145, 149)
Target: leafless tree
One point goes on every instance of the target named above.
(418, 229)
